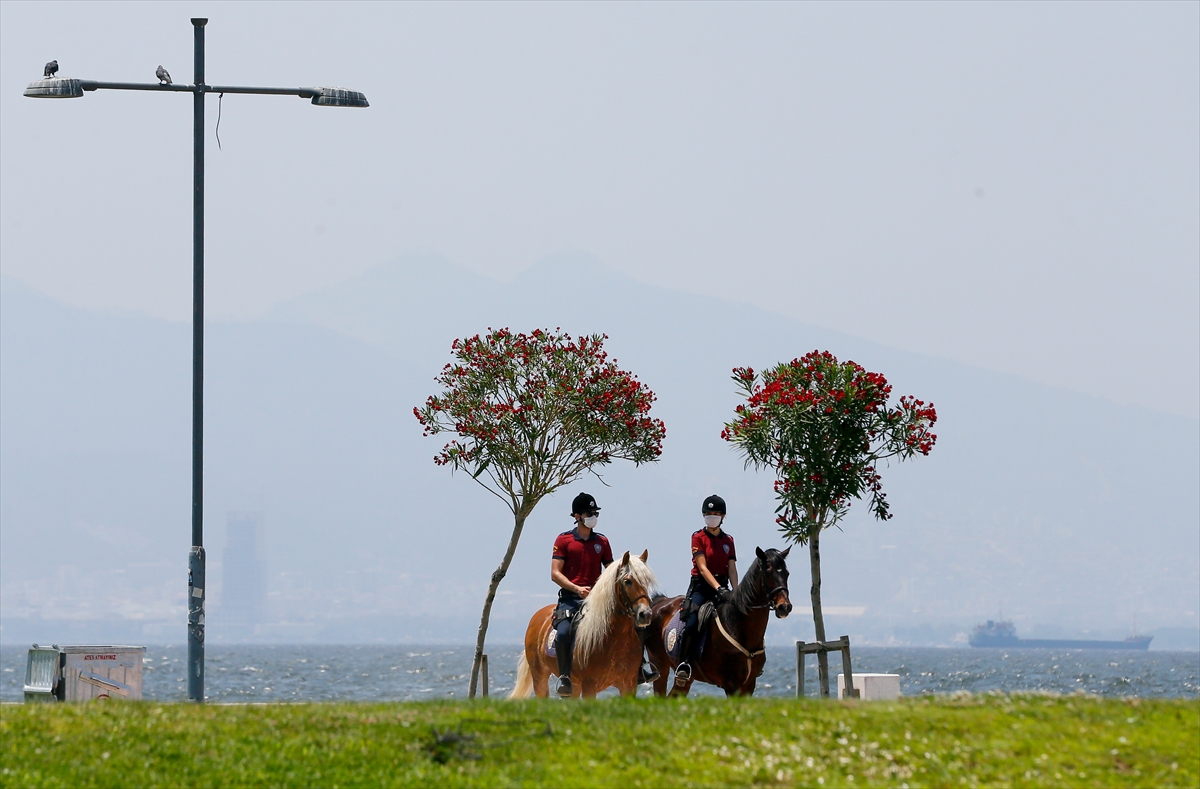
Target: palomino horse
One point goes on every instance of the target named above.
(608, 647)
(733, 654)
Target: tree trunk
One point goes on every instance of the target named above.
(497, 577)
(814, 561)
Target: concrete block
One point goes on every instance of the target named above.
(872, 687)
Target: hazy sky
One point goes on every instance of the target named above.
(1016, 186)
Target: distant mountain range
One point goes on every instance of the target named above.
(1069, 512)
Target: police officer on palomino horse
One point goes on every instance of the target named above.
(580, 555)
(714, 577)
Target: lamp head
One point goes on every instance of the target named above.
(339, 97)
(55, 88)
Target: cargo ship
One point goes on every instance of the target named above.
(1003, 634)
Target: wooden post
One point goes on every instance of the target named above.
(823, 669)
(799, 669)
(851, 691)
(484, 667)
(821, 649)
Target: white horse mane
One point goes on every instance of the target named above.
(601, 604)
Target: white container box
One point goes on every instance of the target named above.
(872, 687)
(102, 672)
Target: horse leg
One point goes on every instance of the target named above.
(535, 651)
(541, 678)
(731, 687)
(658, 656)
(755, 671)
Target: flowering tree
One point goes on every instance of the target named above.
(823, 427)
(533, 413)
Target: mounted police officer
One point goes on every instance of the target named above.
(714, 577)
(580, 555)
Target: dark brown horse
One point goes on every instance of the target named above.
(733, 654)
(608, 647)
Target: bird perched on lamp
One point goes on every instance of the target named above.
(51, 69)
(163, 77)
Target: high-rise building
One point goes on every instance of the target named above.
(244, 596)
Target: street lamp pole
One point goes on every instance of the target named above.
(196, 563)
(52, 87)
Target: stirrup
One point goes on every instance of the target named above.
(647, 673)
(683, 674)
(564, 687)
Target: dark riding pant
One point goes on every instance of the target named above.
(564, 641)
(698, 593)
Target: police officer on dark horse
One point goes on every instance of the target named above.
(714, 576)
(734, 654)
(580, 555)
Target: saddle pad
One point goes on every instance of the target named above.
(550, 650)
(671, 637)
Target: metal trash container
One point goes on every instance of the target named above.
(84, 673)
(43, 674)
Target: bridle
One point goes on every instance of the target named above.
(628, 606)
(771, 604)
(770, 595)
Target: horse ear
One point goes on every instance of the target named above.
(760, 553)
(625, 559)
(785, 552)
(645, 555)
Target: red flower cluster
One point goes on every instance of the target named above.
(539, 407)
(823, 426)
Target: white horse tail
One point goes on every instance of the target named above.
(524, 686)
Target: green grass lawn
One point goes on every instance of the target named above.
(943, 741)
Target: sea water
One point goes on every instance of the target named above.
(259, 673)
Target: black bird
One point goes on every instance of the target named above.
(51, 69)
(163, 77)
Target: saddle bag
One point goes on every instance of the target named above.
(562, 612)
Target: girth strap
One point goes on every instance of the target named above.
(749, 655)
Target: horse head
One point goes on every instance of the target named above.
(773, 566)
(633, 591)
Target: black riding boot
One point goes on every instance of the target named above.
(683, 672)
(564, 650)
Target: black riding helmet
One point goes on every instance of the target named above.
(585, 504)
(713, 505)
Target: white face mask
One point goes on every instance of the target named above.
(590, 521)
(712, 521)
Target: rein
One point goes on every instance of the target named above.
(749, 655)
